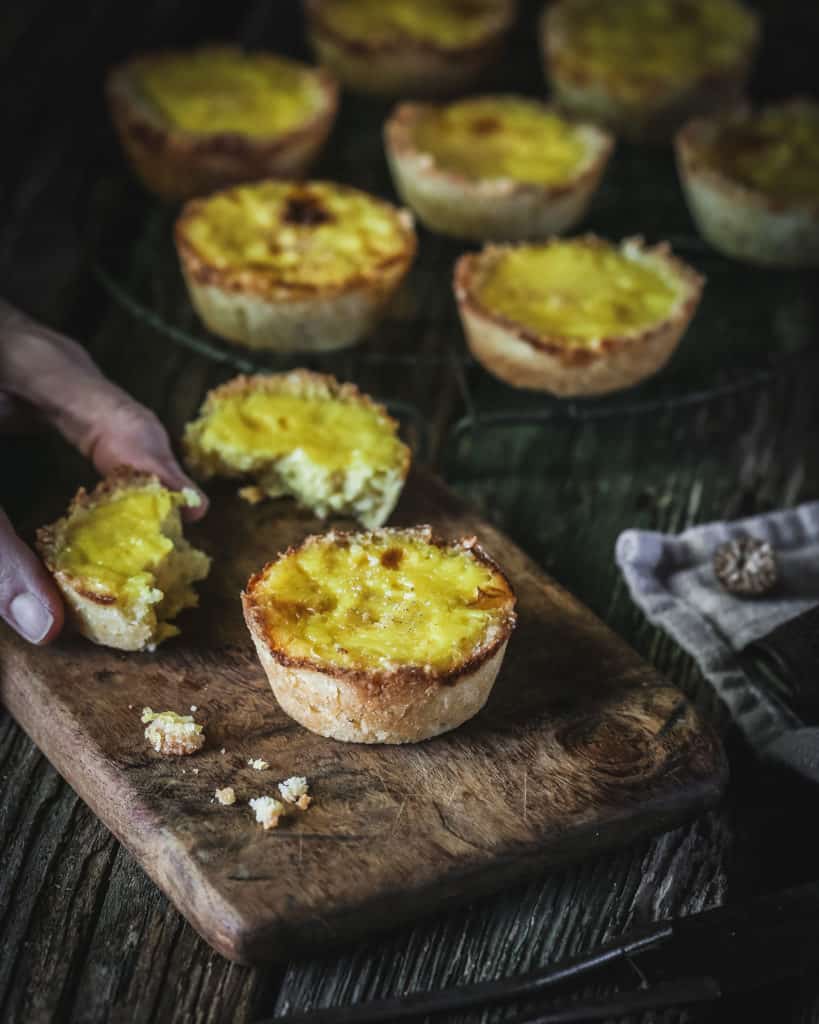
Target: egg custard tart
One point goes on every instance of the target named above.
(302, 434)
(494, 168)
(752, 182)
(121, 561)
(642, 67)
(391, 636)
(293, 266)
(194, 121)
(408, 47)
(577, 316)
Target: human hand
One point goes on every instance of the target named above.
(48, 374)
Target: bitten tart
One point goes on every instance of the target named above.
(194, 121)
(302, 434)
(121, 561)
(414, 48)
(391, 636)
(293, 266)
(494, 168)
(578, 316)
(642, 67)
(752, 182)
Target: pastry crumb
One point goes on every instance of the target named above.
(268, 810)
(252, 494)
(226, 796)
(170, 733)
(223, 751)
(258, 764)
(194, 707)
(295, 791)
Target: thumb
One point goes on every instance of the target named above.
(29, 600)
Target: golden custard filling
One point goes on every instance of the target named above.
(577, 291)
(380, 601)
(222, 90)
(264, 426)
(646, 40)
(775, 151)
(501, 137)
(116, 546)
(445, 23)
(304, 235)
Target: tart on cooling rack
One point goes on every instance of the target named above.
(121, 561)
(642, 67)
(408, 47)
(578, 316)
(293, 266)
(752, 182)
(194, 121)
(392, 636)
(302, 434)
(499, 168)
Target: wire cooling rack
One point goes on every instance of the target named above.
(751, 325)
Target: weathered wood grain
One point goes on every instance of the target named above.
(582, 746)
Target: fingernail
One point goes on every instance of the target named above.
(31, 617)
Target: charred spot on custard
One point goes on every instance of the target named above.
(306, 210)
(391, 558)
(485, 125)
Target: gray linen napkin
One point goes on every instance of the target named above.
(670, 577)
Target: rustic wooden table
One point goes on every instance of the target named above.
(84, 935)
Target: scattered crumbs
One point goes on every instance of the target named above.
(170, 733)
(226, 796)
(195, 771)
(194, 707)
(223, 751)
(295, 791)
(268, 810)
(258, 764)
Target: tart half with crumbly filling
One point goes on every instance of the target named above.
(409, 48)
(577, 316)
(293, 266)
(752, 182)
(642, 67)
(494, 168)
(194, 121)
(305, 435)
(121, 561)
(391, 636)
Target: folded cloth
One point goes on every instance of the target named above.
(672, 579)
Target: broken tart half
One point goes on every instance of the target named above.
(121, 561)
(305, 435)
(575, 316)
(392, 636)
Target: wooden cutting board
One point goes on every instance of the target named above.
(581, 746)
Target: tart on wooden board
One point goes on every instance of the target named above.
(643, 67)
(121, 562)
(751, 179)
(305, 435)
(577, 316)
(194, 121)
(494, 168)
(293, 266)
(408, 48)
(391, 636)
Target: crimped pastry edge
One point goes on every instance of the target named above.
(529, 360)
(489, 209)
(176, 164)
(403, 705)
